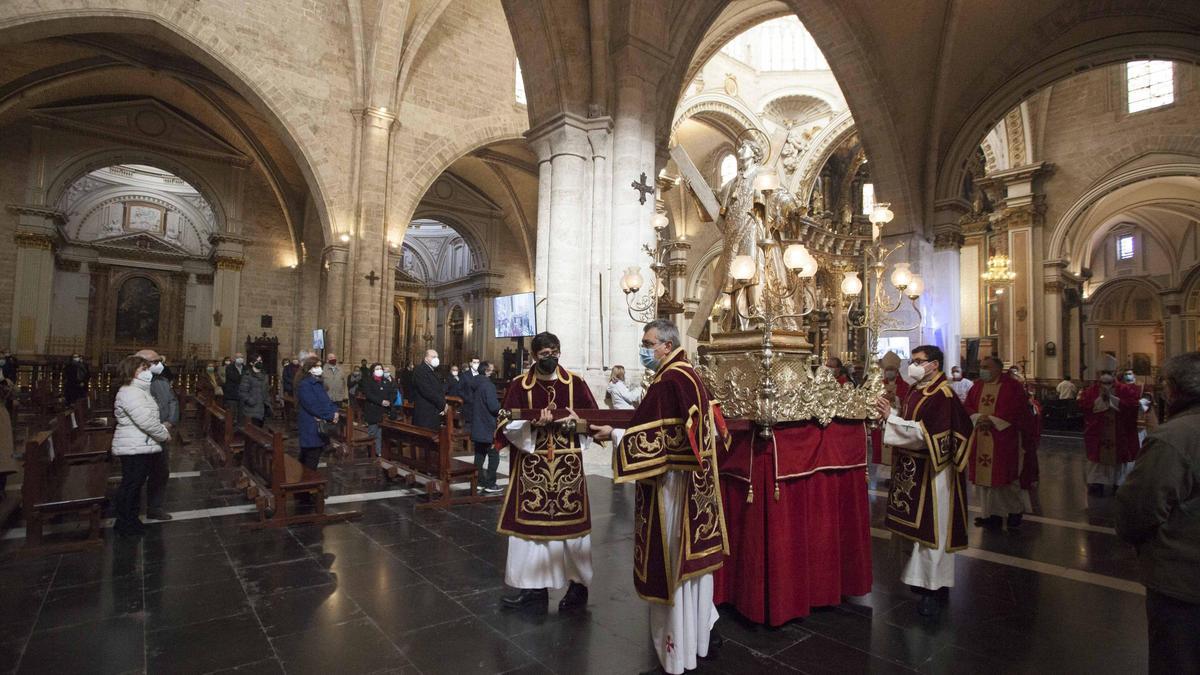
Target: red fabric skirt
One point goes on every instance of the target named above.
(812, 545)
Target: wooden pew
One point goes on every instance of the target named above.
(82, 440)
(56, 484)
(270, 476)
(289, 409)
(429, 454)
(352, 433)
(222, 444)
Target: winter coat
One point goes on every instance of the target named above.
(252, 392)
(335, 383)
(1158, 508)
(312, 403)
(139, 431)
(75, 381)
(428, 399)
(233, 380)
(375, 393)
(483, 407)
(289, 377)
(164, 397)
(457, 386)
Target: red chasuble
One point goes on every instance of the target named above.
(674, 428)
(997, 457)
(547, 490)
(911, 508)
(881, 454)
(1111, 436)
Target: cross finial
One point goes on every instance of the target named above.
(372, 277)
(642, 187)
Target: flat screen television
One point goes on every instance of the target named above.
(514, 316)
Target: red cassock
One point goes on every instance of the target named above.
(1111, 436)
(799, 519)
(898, 390)
(1000, 456)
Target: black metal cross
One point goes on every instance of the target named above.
(643, 188)
(372, 277)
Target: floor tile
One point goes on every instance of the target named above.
(484, 651)
(402, 610)
(352, 647)
(304, 609)
(205, 647)
(89, 603)
(182, 605)
(284, 576)
(111, 646)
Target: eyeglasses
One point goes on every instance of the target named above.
(919, 362)
(547, 352)
(649, 344)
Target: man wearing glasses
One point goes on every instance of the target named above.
(670, 450)
(546, 513)
(927, 500)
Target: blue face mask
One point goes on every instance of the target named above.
(648, 360)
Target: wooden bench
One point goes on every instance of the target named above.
(80, 437)
(270, 476)
(58, 484)
(352, 433)
(289, 409)
(222, 444)
(429, 454)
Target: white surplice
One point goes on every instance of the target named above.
(1107, 474)
(1003, 499)
(680, 631)
(930, 568)
(534, 563)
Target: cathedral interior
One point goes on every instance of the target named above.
(375, 179)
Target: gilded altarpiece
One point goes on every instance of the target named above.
(119, 311)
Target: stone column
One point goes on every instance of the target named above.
(1054, 319)
(33, 284)
(368, 302)
(562, 255)
(333, 315)
(228, 261)
(942, 295)
(1175, 338)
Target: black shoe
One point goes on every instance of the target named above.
(715, 642)
(943, 594)
(989, 523)
(527, 597)
(1014, 520)
(576, 597)
(929, 605)
(158, 514)
(492, 490)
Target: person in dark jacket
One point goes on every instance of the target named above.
(483, 406)
(429, 403)
(75, 379)
(312, 403)
(9, 364)
(456, 385)
(231, 386)
(168, 413)
(288, 375)
(252, 393)
(379, 392)
(1158, 511)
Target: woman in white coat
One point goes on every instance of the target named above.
(621, 396)
(138, 438)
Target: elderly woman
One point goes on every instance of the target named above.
(137, 440)
(253, 393)
(312, 404)
(623, 398)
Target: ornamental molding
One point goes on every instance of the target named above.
(54, 215)
(33, 241)
(228, 263)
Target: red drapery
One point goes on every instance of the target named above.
(812, 545)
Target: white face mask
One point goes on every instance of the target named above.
(156, 368)
(145, 376)
(240, 361)
(434, 362)
(916, 373)
(378, 372)
(316, 371)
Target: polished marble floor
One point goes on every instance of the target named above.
(416, 591)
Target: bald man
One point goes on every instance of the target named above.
(429, 398)
(168, 414)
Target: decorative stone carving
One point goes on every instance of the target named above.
(33, 240)
(233, 264)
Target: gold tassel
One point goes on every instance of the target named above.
(750, 495)
(776, 491)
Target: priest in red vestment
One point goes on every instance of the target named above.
(1000, 446)
(1110, 412)
(546, 514)
(670, 450)
(896, 389)
(927, 501)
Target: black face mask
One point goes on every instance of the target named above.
(547, 364)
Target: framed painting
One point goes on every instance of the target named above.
(143, 217)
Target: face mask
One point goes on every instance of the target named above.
(333, 362)
(647, 356)
(387, 374)
(156, 368)
(258, 366)
(76, 359)
(378, 372)
(548, 364)
(316, 371)
(957, 376)
(889, 375)
(145, 376)
(3, 361)
(916, 372)
(434, 362)
(209, 369)
(985, 374)
(1129, 378)
(454, 373)
(241, 361)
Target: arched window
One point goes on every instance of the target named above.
(728, 168)
(520, 85)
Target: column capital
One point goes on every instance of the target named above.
(229, 263)
(336, 255)
(567, 134)
(948, 238)
(33, 240)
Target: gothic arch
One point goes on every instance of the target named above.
(1175, 46)
(296, 132)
